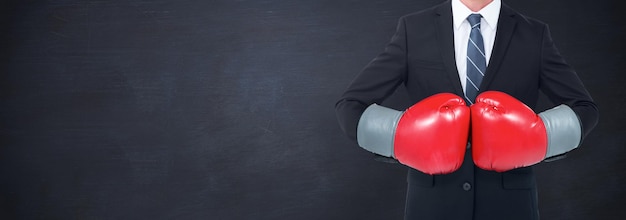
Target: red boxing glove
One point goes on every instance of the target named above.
(506, 134)
(432, 135)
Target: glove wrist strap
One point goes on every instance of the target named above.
(376, 129)
(562, 128)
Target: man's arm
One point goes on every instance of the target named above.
(375, 83)
(562, 86)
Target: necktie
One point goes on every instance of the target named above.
(476, 64)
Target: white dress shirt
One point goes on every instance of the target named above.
(488, 25)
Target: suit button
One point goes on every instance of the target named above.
(467, 186)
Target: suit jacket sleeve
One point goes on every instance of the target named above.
(562, 85)
(377, 81)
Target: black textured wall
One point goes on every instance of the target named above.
(223, 109)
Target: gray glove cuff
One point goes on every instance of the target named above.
(563, 129)
(377, 128)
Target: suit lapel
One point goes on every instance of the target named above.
(445, 38)
(506, 26)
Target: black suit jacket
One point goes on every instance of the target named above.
(420, 56)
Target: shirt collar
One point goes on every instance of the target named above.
(490, 13)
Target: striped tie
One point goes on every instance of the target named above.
(476, 63)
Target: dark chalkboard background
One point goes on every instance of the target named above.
(223, 109)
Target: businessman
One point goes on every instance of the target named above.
(474, 69)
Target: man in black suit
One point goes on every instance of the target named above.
(469, 157)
